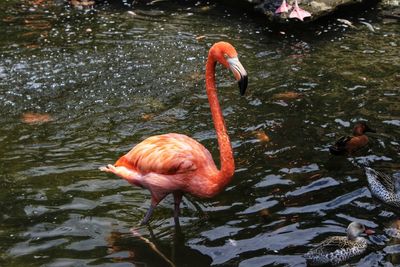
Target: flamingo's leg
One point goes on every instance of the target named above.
(155, 199)
(148, 215)
(177, 203)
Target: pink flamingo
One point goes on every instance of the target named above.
(177, 164)
(297, 12)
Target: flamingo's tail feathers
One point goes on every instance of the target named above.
(123, 161)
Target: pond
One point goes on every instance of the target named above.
(106, 79)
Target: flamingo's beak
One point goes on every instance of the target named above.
(239, 72)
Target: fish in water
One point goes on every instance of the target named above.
(35, 118)
(346, 22)
(369, 26)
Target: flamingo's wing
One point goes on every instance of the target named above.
(166, 154)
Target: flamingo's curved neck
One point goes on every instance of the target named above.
(225, 150)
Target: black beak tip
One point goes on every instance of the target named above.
(242, 85)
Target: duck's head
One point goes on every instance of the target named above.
(355, 229)
(361, 127)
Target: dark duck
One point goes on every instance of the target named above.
(349, 144)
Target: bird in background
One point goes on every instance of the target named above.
(297, 12)
(349, 144)
(336, 250)
(175, 163)
(384, 187)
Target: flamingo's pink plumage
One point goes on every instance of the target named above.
(177, 164)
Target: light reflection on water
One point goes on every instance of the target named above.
(109, 79)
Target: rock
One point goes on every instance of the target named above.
(317, 8)
(390, 10)
(320, 6)
(395, 3)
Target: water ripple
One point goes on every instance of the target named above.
(108, 79)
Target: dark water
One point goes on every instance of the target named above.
(108, 79)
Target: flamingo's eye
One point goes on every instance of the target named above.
(226, 56)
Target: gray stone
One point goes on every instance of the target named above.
(317, 8)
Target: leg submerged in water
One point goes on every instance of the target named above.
(148, 215)
(177, 203)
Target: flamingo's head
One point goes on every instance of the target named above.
(226, 54)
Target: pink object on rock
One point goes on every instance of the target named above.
(284, 8)
(299, 13)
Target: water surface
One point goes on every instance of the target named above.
(108, 79)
